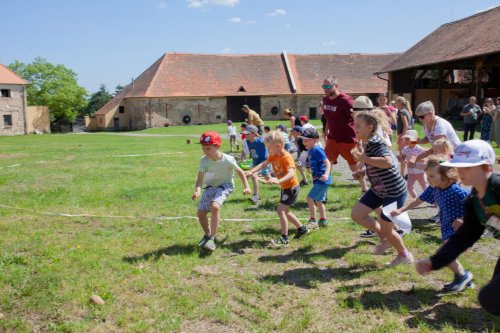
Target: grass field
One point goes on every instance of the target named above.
(130, 237)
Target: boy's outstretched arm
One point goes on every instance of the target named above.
(199, 182)
(255, 169)
(289, 175)
(244, 180)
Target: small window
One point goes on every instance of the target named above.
(241, 89)
(218, 116)
(121, 109)
(5, 92)
(7, 120)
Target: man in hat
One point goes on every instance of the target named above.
(253, 118)
(340, 134)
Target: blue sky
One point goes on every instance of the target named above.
(113, 41)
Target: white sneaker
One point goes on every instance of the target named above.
(402, 259)
(254, 199)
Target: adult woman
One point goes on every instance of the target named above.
(495, 126)
(404, 117)
(434, 127)
(294, 121)
(488, 109)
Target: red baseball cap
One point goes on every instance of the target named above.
(304, 118)
(210, 138)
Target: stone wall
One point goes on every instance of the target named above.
(15, 107)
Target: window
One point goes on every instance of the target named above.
(5, 92)
(7, 120)
(121, 109)
(274, 110)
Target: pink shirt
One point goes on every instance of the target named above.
(414, 152)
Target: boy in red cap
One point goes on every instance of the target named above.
(216, 171)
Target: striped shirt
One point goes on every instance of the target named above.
(385, 182)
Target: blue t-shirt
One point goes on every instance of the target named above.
(258, 151)
(451, 205)
(316, 161)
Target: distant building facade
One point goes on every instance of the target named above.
(184, 88)
(12, 103)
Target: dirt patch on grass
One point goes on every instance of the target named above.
(5, 156)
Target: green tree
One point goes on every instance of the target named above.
(118, 89)
(54, 86)
(97, 101)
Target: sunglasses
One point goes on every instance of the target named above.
(422, 117)
(327, 86)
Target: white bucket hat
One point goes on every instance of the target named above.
(472, 153)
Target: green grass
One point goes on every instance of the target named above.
(151, 274)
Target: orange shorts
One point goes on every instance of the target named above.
(333, 149)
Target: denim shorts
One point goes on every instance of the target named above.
(373, 201)
(263, 172)
(216, 194)
(318, 192)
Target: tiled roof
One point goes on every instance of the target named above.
(353, 71)
(472, 36)
(200, 75)
(9, 77)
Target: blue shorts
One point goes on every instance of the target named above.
(263, 172)
(318, 192)
(373, 201)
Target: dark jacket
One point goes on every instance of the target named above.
(469, 232)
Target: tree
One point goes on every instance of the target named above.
(54, 86)
(97, 101)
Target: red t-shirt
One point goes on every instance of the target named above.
(338, 118)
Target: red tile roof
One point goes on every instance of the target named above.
(472, 36)
(353, 71)
(204, 75)
(9, 77)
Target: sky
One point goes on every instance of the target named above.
(112, 41)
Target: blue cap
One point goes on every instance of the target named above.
(297, 128)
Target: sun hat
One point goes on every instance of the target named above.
(471, 153)
(309, 133)
(229, 122)
(362, 103)
(210, 138)
(250, 129)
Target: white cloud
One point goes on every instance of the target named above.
(162, 5)
(329, 43)
(226, 50)
(277, 12)
(201, 3)
(238, 20)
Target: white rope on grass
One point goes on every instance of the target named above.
(140, 217)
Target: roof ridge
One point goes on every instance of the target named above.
(163, 58)
(469, 17)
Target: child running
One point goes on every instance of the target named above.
(231, 130)
(320, 169)
(474, 161)
(258, 153)
(415, 173)
(301, 154)
(449, 197)
(387, 184)
(216, 171)
(284, 167)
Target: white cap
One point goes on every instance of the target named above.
(472, 153)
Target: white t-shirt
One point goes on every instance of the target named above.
(443, 127)
(232, 130)
(218, 172)
(308, 125)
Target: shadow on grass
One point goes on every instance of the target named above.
(303, 254)
(424, 227)
(265, 232)
(425, 307)
(240, 246)
(308, 278)
(174, 250)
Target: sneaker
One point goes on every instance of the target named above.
(301, 232)
(210, 244)
(459, 283)
(402, 259)
(304, 182)
(323, 223)
(280, 242)
(381, 247)
(203, 240)
(368, 234)
(254, 199)
(312, 224)
(434, 218)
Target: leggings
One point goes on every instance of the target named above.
(489, 296)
